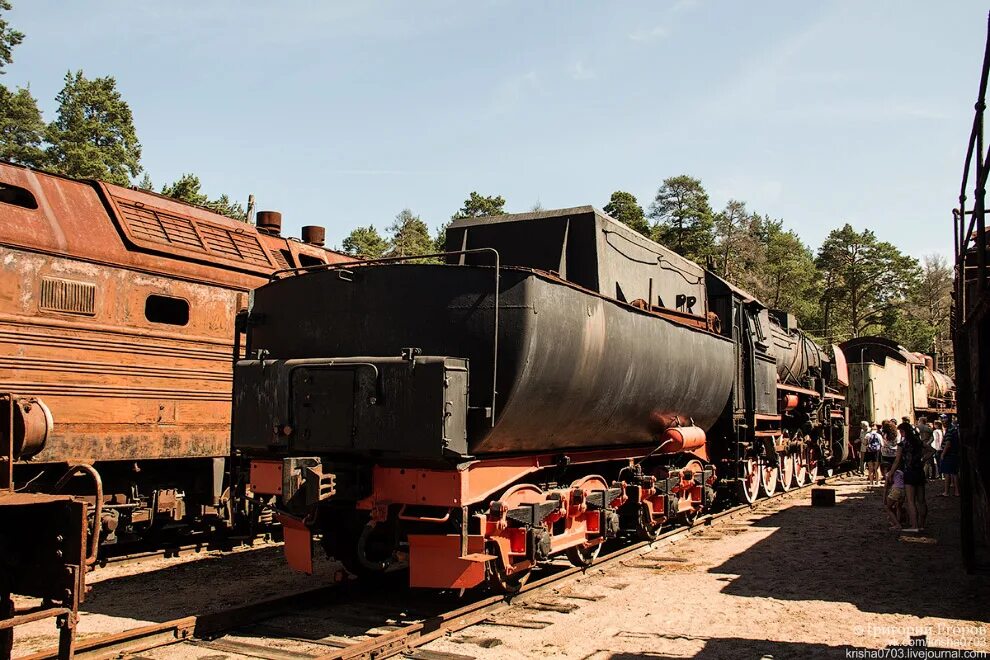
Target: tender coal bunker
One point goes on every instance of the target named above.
(17, 196)
(164, 309)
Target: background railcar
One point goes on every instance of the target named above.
(889, 382)
(117, 312)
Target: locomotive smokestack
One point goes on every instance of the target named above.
(270, 222)
(314, 235)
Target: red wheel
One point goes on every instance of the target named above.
(749, 483)
(584, 555)
(786, 471)
(769, 476)
(521, 494)
(800, 468)
(500, 577)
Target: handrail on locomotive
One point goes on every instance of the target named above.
(452, 253)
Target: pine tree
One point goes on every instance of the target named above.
(480, 206)
(365, 242)
(623, 207)
(93, 135)
(409, 236)
(683, 217)
(22, 129)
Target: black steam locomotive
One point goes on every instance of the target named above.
(558, 380)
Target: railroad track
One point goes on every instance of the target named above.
(347, 621)
(197, 547)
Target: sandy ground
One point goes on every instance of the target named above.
(161, 589)
(798, 582)
(787, 581)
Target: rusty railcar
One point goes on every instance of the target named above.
(887, 381)
(117, 311)
(117, 323)
(558, 380)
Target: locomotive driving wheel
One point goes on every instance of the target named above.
(812, 461)
(786, 471)
(800, 466)
(769, 475)
(749, 484)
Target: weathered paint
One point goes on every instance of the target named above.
(76, 273)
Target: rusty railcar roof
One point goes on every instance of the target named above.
(104, 223)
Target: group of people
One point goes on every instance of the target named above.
(904, 457)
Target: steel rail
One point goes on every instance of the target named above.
(402, 640)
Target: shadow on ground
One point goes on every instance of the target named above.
(846, 553)
(754, 649)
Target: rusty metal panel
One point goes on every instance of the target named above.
(76, 327)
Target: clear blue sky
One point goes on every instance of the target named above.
(342, 114)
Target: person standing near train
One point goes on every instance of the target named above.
(888, 449)
(938, 432)
(909, 460)
(927, 438)
(864, 430)
(874, 440)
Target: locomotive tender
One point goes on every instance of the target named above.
(559, 380)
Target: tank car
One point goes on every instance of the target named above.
(889, 382)
(556, 381)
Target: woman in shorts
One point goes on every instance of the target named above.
(909, 459)
(871, 455)
(895, 498)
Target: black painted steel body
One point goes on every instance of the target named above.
(574, 369)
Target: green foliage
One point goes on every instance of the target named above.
(737, 248)
(623, 207)
(480, 206)
(146, 183)
(684, 217)
(440, 240)
(365, 242)
(787, 277)
(22, 129)
(187, 189)
(866, 284)
(9, 37)
(409, 236)
(93, 135)
(924, 325)
(226, 206)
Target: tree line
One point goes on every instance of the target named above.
(92, 135)
(853, 285)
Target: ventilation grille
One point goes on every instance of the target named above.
(68, 296)
(280, 259)
(159, 226)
